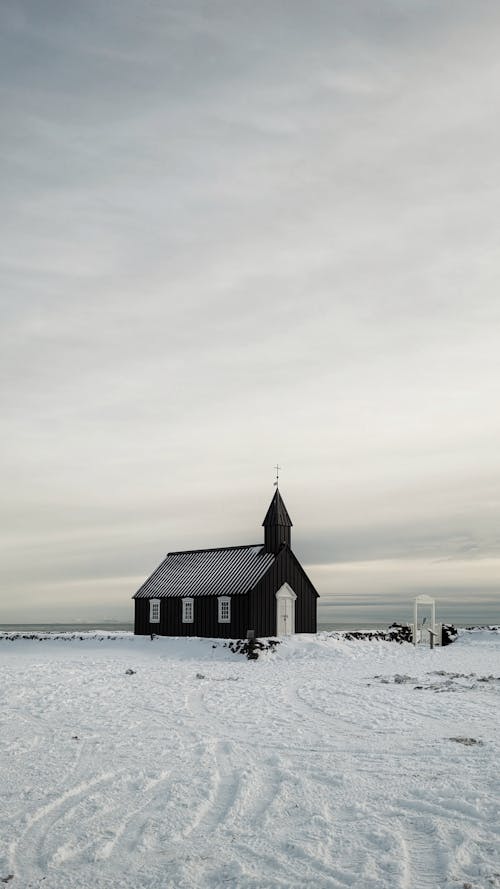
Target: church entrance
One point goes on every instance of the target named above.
(285, 611)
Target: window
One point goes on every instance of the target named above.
(224, 610)
(154, 611)
(187, 611)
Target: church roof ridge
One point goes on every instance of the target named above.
(213, 549)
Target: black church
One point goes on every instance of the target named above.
(225, 592)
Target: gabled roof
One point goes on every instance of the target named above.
(286, 552)
(229, 571)
(277, 513)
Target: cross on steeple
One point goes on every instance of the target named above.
(277, 468)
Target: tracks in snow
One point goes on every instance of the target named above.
(280, 779)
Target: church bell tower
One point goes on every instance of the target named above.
(277, 525)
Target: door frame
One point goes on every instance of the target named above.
(285, 592)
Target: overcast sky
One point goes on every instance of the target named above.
(241, 232)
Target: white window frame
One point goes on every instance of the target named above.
(153, 619)
(221, 602)
(188, 611)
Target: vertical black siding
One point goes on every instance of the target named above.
(274, 536)
(262, 605)
(205, 612)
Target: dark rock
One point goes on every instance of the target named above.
(449, 634)
(467, 742)
(400, 632)
(251, 647)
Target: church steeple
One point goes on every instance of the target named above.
(277, 524)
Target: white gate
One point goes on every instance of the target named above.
(426, 632)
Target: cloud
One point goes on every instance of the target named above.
(238, 234)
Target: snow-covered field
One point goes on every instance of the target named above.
(326, 764)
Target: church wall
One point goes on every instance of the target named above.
(205, 618)
(262, 600)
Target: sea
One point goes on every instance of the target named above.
(115, 626)
(109, 627)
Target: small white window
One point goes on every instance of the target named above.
(187, 611)
(154, 611)
(224, 610)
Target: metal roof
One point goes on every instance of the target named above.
(229, 571)
(277, 513)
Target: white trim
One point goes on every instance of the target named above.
(188, 611)
(154, 611)
(286, 592)
(418, 631)
(285, 610)
(224, 615)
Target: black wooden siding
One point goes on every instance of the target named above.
(205, 613)
(262, 599)
(274, 537)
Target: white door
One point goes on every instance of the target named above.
(285, 613)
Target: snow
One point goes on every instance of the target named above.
(328, 763)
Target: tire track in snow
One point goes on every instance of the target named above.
(296, 845)
(297, 867)
(128, 830)
(226, 826)
(26, 749)
(339, 713)
(110, 832)
(213, 812)
(26, 853)
(424, 859)
(459, 841)
(262, 788)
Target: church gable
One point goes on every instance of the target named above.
(262, 599)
